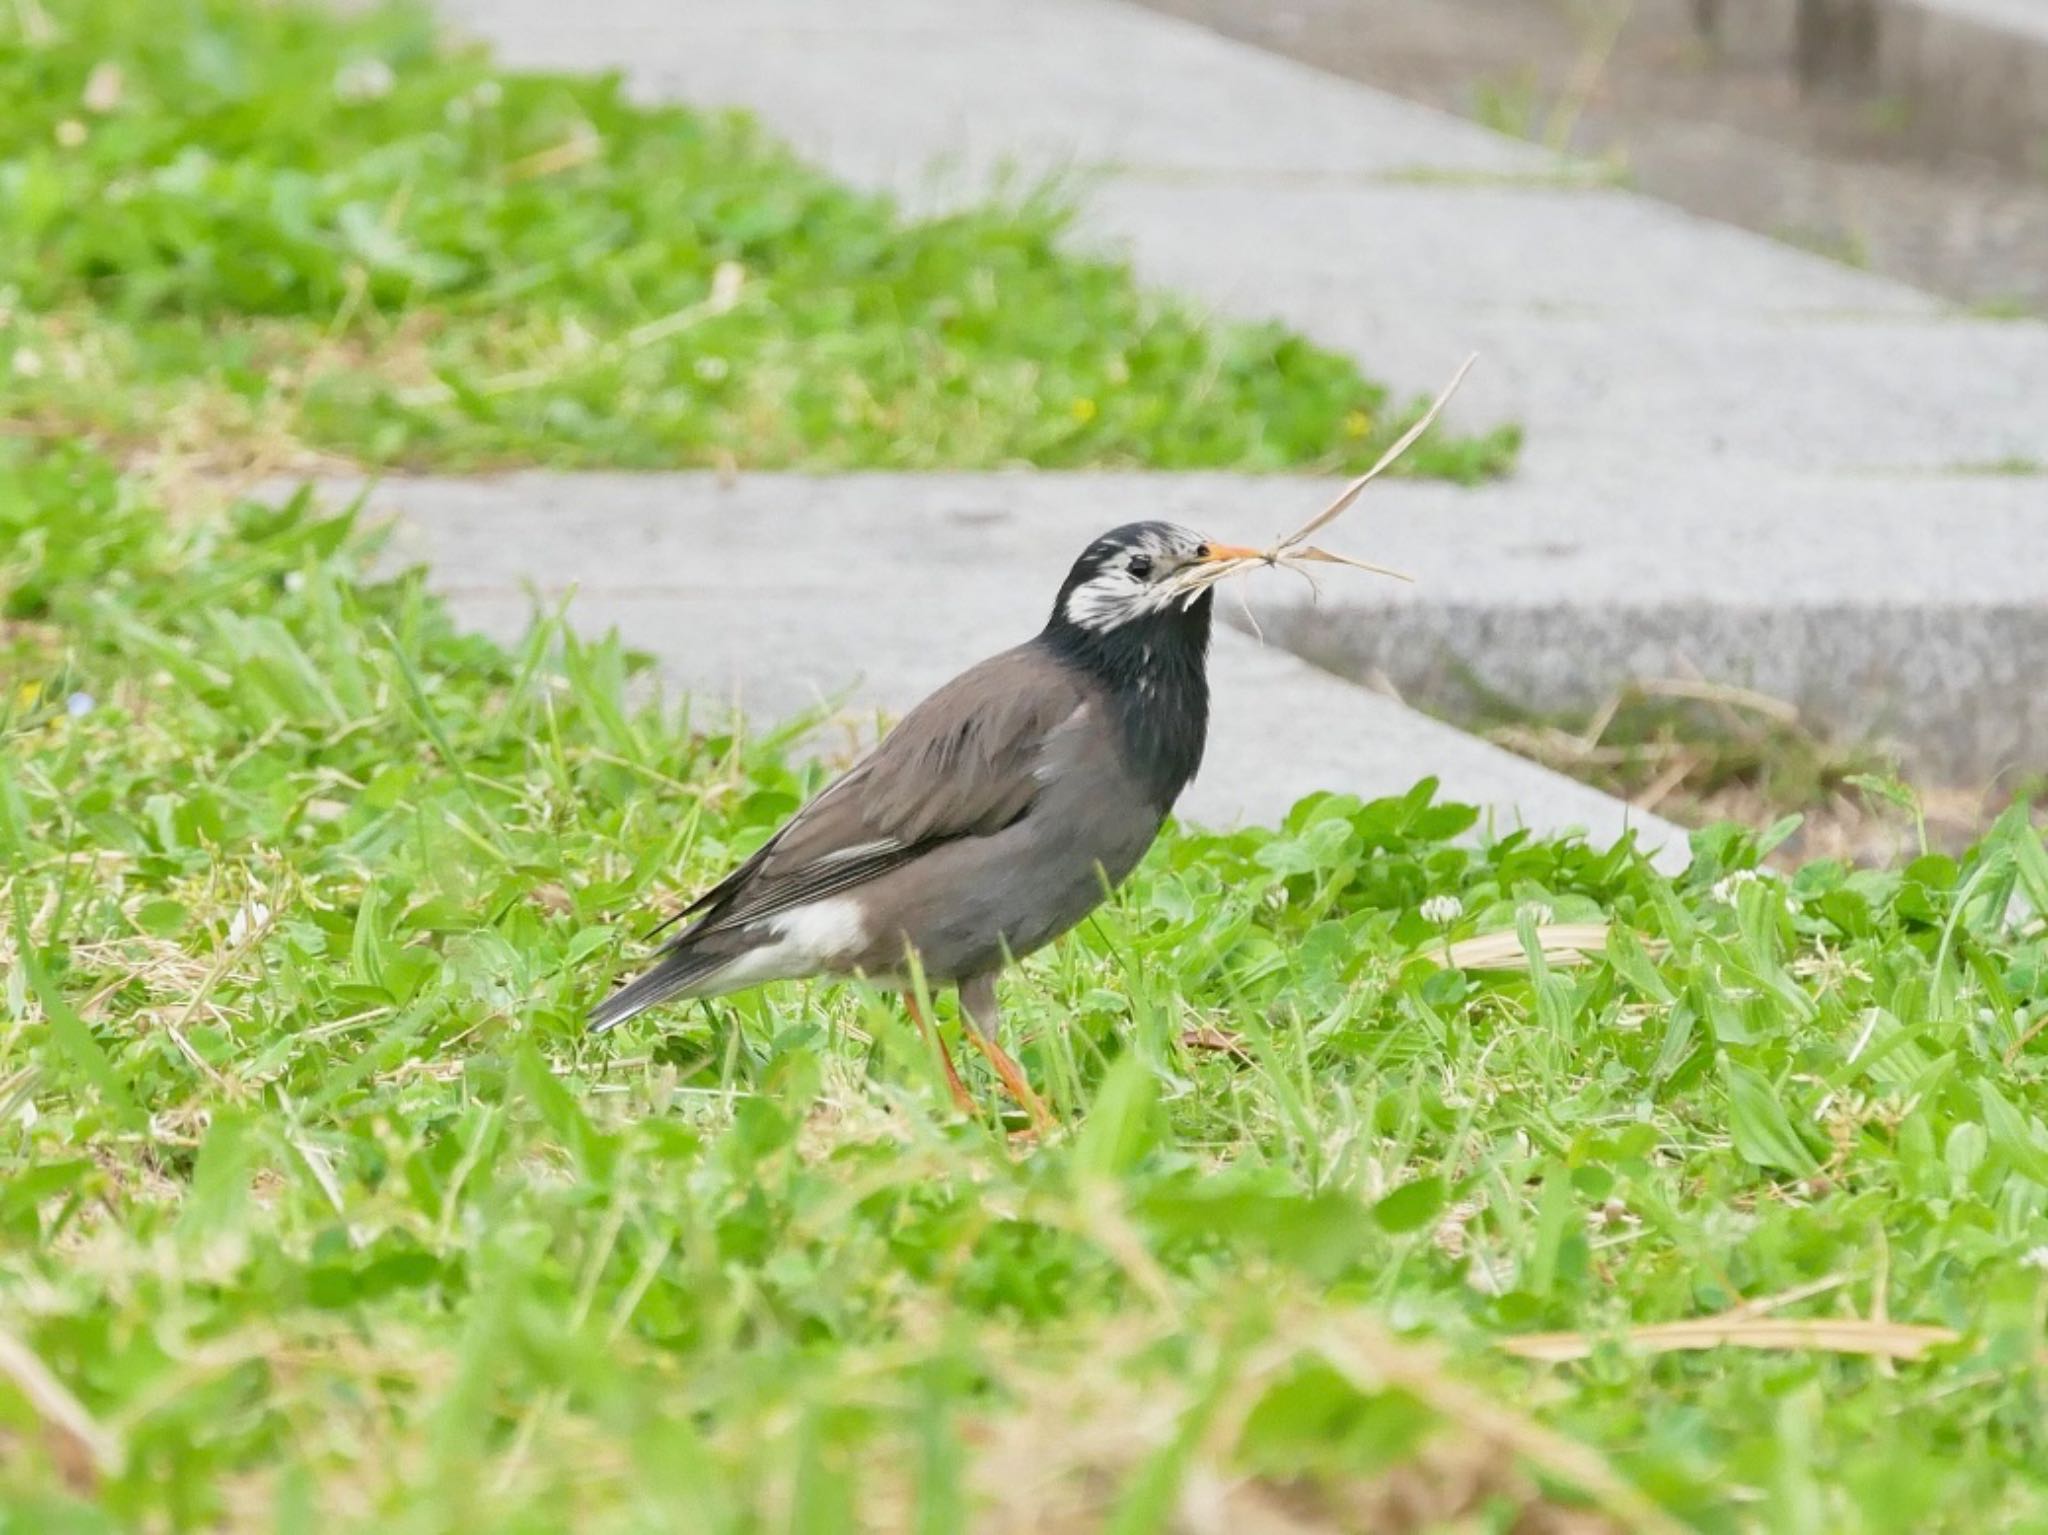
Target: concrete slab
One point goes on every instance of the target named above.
(1457, 250)
(1751, 538)
(2021, 20)
(1609, 326)
(1538, 591)
(779, 593)
(1593, 394)
(923, 97)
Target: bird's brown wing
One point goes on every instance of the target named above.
(961, 764)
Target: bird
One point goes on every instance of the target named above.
(989, 820)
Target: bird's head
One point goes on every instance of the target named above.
(1143, 570)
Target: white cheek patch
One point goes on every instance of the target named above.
(1115, 597)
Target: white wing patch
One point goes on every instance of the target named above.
(858, 850)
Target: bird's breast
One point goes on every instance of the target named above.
(1163, 725)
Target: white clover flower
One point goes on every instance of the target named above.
(728, 281)
(1725, 888)
(248, 919)
(364, 80)
(2037, 1258)
(79, 705)
(1442, 910)
(1536, 911)
(103, 88)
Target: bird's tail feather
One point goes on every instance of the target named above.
(678, 971)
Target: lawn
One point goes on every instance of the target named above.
(319, 1210)
(322, 1211)
(251, 234)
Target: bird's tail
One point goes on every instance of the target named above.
(678, 971)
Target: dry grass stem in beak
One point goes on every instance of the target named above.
(1349, 494)
(1293, 552)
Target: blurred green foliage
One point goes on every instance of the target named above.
(250, 231)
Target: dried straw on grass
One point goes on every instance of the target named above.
(1834, 1335)
(1560, 943)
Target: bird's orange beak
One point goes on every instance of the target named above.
(1214, 553)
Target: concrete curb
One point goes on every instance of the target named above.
(1973, 73)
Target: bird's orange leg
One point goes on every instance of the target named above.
(962, 1099)
(1013, 1079)
(984, 1018)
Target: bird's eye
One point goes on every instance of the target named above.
(1141, 566)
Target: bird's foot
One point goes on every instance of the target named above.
(963, 1100)
(1011, 1075)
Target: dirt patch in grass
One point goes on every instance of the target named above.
(1698, 752)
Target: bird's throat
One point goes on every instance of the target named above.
(1155, 672)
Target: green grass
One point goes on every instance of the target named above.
(2015, 465)
(2009, 307)
(319, 1210)
(251, 233)
(318, 1201)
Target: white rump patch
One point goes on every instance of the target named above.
(823, 929)
(808, 940)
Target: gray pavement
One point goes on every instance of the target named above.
(1618, 331)
(930, 97)
(1757, 462)
(773, 594)
(1925, 159)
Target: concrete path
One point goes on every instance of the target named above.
(1742, 456)
(1926, 161)
(779, 593)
